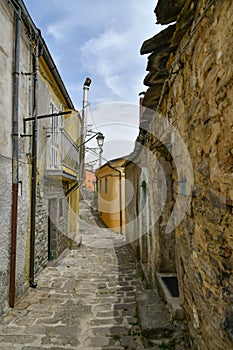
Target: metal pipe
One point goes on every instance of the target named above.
(15, 160)
(86, 86)
(120, 190)
(100, 156)
(32, 283)
(47, 116)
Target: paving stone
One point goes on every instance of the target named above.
(17, 339)
(99, 341)
(85, 301)
(153, 319)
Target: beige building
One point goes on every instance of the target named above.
(39, 200)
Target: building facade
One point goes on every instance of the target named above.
(111, 194)
(43, 195)
(181, 168)
(90, 180)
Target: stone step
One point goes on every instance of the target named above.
(154, 322)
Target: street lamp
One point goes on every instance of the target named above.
(100, 139)
(100, 142)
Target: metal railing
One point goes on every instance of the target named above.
(61, 151)
(69, 152)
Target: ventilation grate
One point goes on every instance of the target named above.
(172, 285)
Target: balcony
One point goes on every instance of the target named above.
(62, 156)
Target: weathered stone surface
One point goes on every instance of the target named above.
(154, 322)
(204, 168)
(217, 199)
(152, 96)
(159, 41)
(159, 59)
(86, 300)
(198, 103)
(167, 10)
(228, 324)
(184, 21)
(155, 79)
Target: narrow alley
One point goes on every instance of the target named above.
(86, 300)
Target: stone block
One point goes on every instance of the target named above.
(158, 60)
(154, 79)
(159, 41)
(217, 199)
(228, 324)
(152, 96)
(204, 168)
(167, 10)
(153, 318)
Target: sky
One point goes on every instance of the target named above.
(100, 39)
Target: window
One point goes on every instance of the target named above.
(54, 137)
(106, 185)
(100, 186)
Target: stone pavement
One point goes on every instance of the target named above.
(86, 300)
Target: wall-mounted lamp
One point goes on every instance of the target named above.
(100, 142)
(100, 139)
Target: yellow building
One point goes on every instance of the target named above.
(58, 159)
(111, 194)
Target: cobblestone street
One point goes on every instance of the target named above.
(86, 300)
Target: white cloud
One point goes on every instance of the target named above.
(100, 39)
(57, 32)
(113, 55)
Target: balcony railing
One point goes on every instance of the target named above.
(61, 151)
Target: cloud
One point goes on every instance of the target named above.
(113, 57)
(100, 39)
(97, 38)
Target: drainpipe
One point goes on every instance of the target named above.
(15, 161)
(32, 283)
(120, 190)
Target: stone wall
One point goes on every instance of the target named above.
(200, 100)
(5, 227)
(190, 86)
(59, 240)
(148, 210)
(41, 231)
(7, 18)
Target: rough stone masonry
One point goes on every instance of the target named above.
(190, 84)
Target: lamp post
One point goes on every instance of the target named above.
(100, 141)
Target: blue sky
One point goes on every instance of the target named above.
(100, 39)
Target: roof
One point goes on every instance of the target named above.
(112, 161)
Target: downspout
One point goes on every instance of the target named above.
(15, 160)
(120, 190)
(32, 283)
